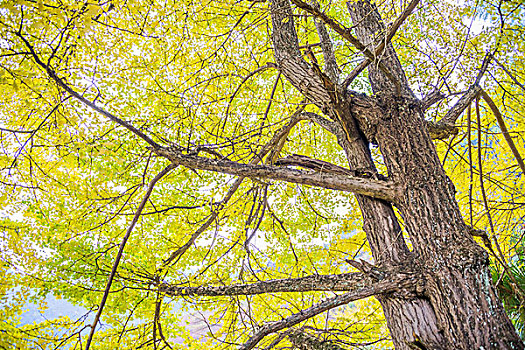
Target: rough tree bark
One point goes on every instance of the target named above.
(458, 307)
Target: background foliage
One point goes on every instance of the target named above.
(184, 73)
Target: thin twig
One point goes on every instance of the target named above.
(281, 134)
(504, 130)
(509, 74)
(121, 249)
(501, 257)
(52, 74)
(251, 74)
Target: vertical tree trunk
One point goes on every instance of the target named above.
(469, 315)
(459, 308)
(459, 285)
(408, 318)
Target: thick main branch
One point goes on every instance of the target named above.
(339, 282)
(346, 34)
(387, 285)
(373, 188)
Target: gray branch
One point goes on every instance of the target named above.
(381, 47)
(330, 64)
(346, 34)
(373, 188)
(289, 58)
(340, 282)
(383, 286)
(465, 100)
(326, 124)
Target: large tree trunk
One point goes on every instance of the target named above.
(458, 307)
(458, 283)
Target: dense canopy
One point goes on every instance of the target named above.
(174, 132)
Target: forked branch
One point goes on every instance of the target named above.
(346, 34)
(379, 49)
(60, 82)
(473, 91)
(361, 292)
(331, 67)
(272, 144)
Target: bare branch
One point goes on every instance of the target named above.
(504, 130)
(465, 100)
(484, 65)
(368, 187)
(347, 35)
(330, 66)
(326, 124)
(379, 49)
(353, 74)
(380, 287)
(52, 74)
(304, 341)
(430, 99)
(289, 58)
(340, 282)
(318, 165)
(244, 80)
(395, 26)
(439, 131)
(279, 135)
(121, 249)
(211, 219)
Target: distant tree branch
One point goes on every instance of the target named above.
(52, 74)
(368, 187)
(121, 249)
(473, 91)
(509, 74)
(270, 146)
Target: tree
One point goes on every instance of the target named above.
(207, 100)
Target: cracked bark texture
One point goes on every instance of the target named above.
(379, 222)
(459, 308)
(466, 312)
